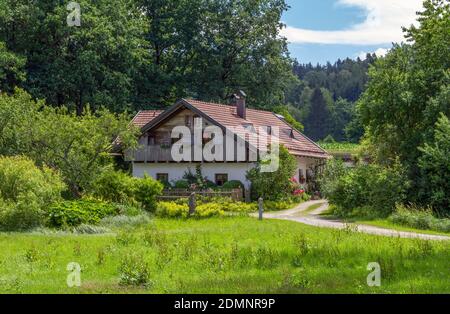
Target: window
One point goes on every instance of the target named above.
(221, 179)
(162, 177)
(269, 130)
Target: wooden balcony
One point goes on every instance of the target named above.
(158, 153)
(151, 153)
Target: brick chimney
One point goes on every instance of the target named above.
(238, 100)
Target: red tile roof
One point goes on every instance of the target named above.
(226, 115)
(145, 116)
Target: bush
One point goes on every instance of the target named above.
(371, 186)
(285, 204)
(25, 190)
(419, 218)
(234, 184)
(209, 210)
(19, 216)
(180, 208)
(129, 210)
(75, 213)
(133, 271)
(263, 183)
(277, 205)
(181, 184)
(114, 186)
(239, 207)
(208, 184)
(146, 192)
(435, 169)
(172, 210)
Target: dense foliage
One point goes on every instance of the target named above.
(434, 167)
(205, 208)
(25, 192)
(78, 147)
(369, 190)
(116, 186)
(146, 192)
(74, 213)
(139, 53)
(92, 64)
(263, 183)
(324, 98)
(407, 92)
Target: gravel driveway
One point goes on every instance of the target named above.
(314, 219)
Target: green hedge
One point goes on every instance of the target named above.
(180, 209)
(75, 213)
(181, 184)
(25, 190)
(116, 186)
(233, 184)
(370, 186)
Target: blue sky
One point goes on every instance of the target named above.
(325, 30)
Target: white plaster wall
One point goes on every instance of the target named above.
(235, 171)
(304, 163)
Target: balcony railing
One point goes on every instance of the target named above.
(159, 153)
(150, 153)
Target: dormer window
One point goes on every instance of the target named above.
(269, 130)
(249, 127)
(292, 133)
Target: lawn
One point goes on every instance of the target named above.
(224, 255)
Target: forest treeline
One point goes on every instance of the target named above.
(324, 98)
(140, 54)
(129, 55)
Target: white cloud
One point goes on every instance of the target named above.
(380, 52)
(382, 25)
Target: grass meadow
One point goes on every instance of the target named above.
(221, 255)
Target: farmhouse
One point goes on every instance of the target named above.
(155, 155)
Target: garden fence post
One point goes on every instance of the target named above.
(247, 195)
(192, 204)
(261, 207)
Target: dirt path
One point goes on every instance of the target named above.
(313, 218)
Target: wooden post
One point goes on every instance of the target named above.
(247, 195)
(192, 204)
(261, 208)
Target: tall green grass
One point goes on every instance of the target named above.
(221, 255)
